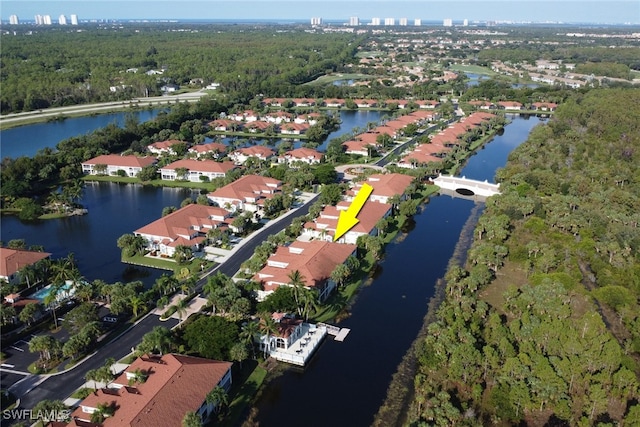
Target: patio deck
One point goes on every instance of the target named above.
(303, 348)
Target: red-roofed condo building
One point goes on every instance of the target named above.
(246, 193)
(175, 384)
(14, 260)
(315, 261)
(187, 226)
(195, 169)
(110, 164)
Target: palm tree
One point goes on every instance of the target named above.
(191, 419)
(28, 273)
(46, 345)
(250, 331)
(268, 327)
(92, 375)
(296, 280)
(51, 300)
(340, 274)
(158, 339)
(136, 304)
(309, 301)
(217, 397)
(181, 308)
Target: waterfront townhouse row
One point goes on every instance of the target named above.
(341, 103)
(156, 391)
(194, 170)
(442, 142)
(189, 225)
(315, 255)
(394, 128)
(513, 106)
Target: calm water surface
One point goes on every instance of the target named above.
(347, 381)
(27, 140)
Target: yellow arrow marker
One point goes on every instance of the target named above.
(347, 219)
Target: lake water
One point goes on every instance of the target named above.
(346, 382)
(27, 140)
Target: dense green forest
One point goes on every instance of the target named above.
(55, 67)
(542, 325)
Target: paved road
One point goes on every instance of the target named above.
(62, 385)
(91, 108)
(34, 388)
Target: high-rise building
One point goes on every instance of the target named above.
(354, 21)
(403, 22)
(13, 20)
(316, 21)
(448, 22)
(375, 21)
(39, 20)
(46, 20)
(62, 20)
(389, 21)
(74, 19)
(417, 22)
(465, 23)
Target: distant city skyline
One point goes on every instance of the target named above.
(567, 11)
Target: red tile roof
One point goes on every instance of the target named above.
(390, 184)
(13, 260)
(201, 166)
(185, 221)
(212, 146)
(248, 187)
(315, 260)
(124, 161)
(304, 153)
(371, 213)
(256, 151)
(165, 145)
(175, 385)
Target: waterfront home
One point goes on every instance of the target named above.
(215, 149)
(427, 104)
(294, 128)
(259, 152)
(187, 226)
(385, 186)
(305, 155)
(399, 102)
(423, 154)
(246, 193)
(157, 391)
(544, 106)
(278, 117)
(245, 116)
(366, 103)
(226, 125)
(195, 170)
(510, 105)
(334, 103)
(482, 105)
(164, 147)
(311, 118)
(14, 260)
(324, 226)
(111, 164)
(293, 341)
(315, 261)
(362, 144)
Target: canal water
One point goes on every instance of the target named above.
(346, 382)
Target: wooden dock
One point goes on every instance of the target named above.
(339, 333)
(342, 334)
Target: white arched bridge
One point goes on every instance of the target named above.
(466, 187)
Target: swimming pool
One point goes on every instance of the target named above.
(67, 290)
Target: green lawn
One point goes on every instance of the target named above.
(330, 78)
(472, 69)
(244, 390)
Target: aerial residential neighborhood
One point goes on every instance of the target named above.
(365, 221)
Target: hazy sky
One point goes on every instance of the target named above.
(600, 11)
